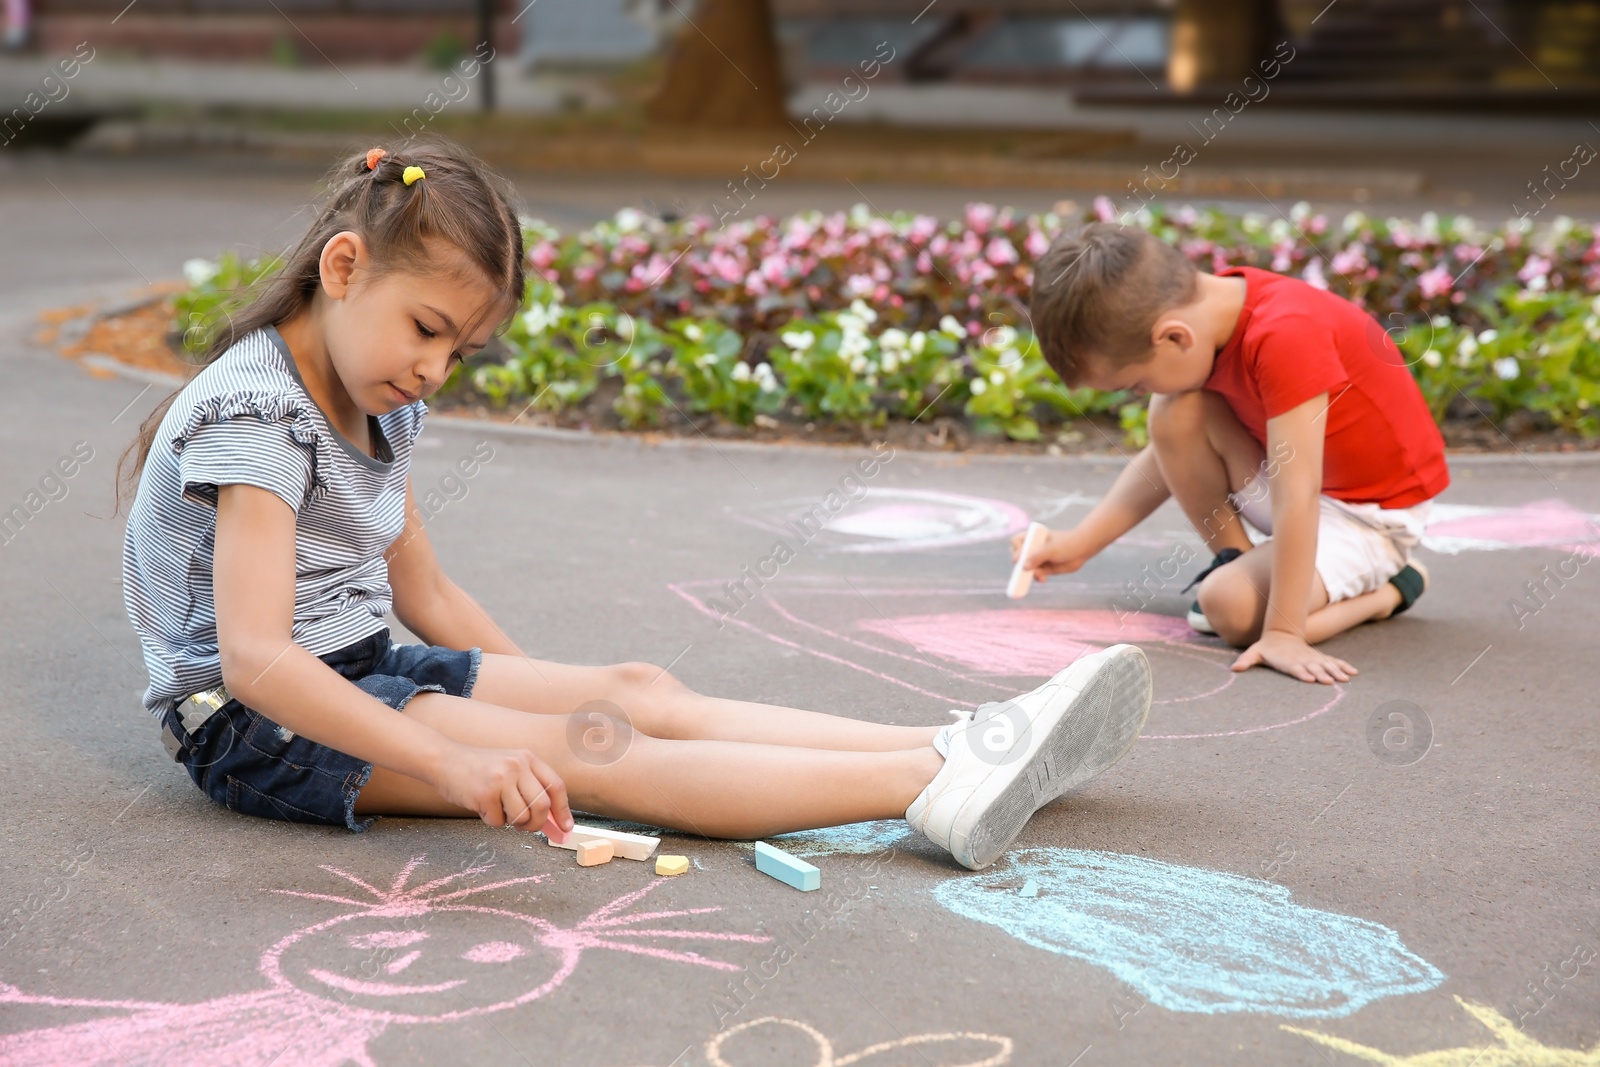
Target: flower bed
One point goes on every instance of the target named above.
(858, 318)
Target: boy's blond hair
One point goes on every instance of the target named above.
(1098, 292)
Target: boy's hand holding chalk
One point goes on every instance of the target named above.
(1040, 552)
(1021, 573)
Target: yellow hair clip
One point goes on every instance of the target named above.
(413, 175)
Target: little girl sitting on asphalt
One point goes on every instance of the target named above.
(275, 526)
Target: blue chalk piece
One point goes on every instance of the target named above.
(786, 868)
(1030, 888)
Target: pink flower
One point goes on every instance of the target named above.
(1001, 252)
(1037, 243)
(1349, 261)
(980, 216)
(1104, 209)
(1313, 274)
(1435, 282)
(1536, 267)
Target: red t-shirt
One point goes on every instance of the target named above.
(1293, 341)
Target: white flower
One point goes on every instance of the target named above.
(1353, 221)
(892, 339)
(863, 311)
(891, 362)
(919, 340)
(1487, 337)
(997, 377)
(628, 220)
(1441, 322)
(798, 340)
(200, 271)
(539, 318)
(851, 323)
(1466, 350)
(625, 326)
(1253, 222)
(978, 386)
(858, 363)
(1300, 212)
(1432, 357)
(763, 375)
(853, 344)
(1506, 368)
(741, 372)
(949, 325)
(705, 359)
(1279, 230)
(694, 333)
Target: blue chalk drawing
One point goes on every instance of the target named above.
(859, 839)
(1190, 939)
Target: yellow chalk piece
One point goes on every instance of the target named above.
(413, 175)
(671, 864)
(594, 853)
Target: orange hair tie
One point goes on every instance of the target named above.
(374, 155)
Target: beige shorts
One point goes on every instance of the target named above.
(1359, 546)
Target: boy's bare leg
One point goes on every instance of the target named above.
(656, 703)
(1234, 599)
(713, 788)
(1204, 453)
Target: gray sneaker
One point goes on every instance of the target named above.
(1012, 759)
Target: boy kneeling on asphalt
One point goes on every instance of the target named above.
(1271, 400)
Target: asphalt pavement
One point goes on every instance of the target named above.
(1278, 873)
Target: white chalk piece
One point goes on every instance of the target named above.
(628, 846)
(1022, 580)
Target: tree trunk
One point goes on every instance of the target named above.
(724, 71)
(1217, 42)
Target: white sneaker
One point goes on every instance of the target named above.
(1006, 763)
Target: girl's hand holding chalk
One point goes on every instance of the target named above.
(505, 787)
(1023, 553)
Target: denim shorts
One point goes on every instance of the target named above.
(246, 762)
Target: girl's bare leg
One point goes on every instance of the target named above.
(712, 788)
(658, 704)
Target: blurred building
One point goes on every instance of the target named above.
(1470, 53)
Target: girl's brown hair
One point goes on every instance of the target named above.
(460, 202)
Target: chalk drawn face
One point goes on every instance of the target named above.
(1190, 939)
(422, 962)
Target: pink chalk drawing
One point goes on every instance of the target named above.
(891, 520)
(962, 658)
(1551, 523)
(336, 985)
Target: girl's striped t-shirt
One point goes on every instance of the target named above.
(247, 419)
